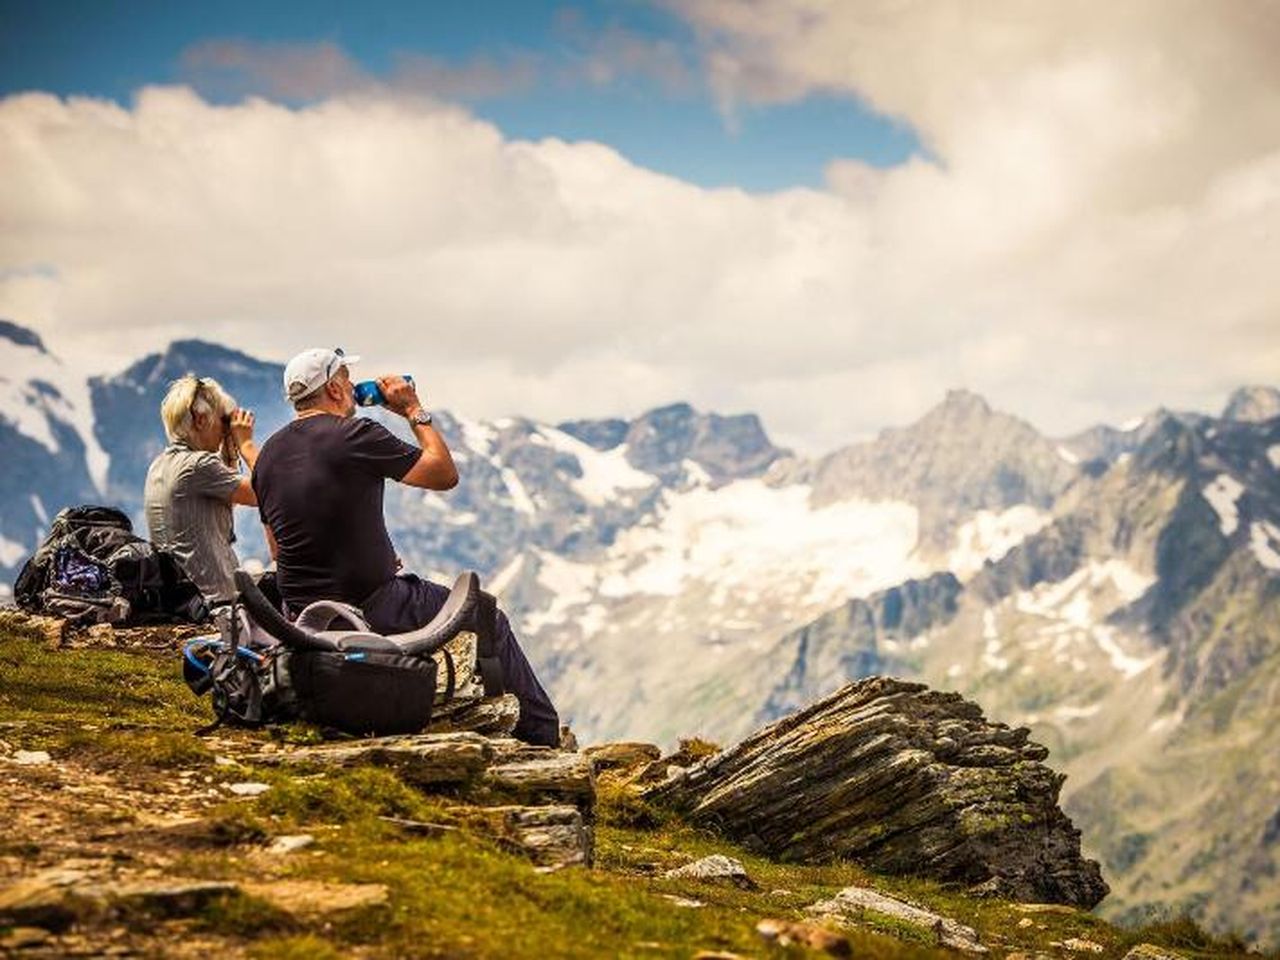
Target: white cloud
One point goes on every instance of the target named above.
(1096, 236)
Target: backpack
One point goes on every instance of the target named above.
(329, 668)
(92, 568)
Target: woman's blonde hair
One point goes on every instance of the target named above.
(191, 395)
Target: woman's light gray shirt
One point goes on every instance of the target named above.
(188, 508)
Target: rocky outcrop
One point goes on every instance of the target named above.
(905, 780)
(458, 759)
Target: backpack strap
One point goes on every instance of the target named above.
(450, 674)
(487, 662)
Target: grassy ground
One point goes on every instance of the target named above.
(120, 727)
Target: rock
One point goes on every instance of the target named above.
(423, 759)
(1080, 945)
(419, 827)
(904, 780)
(496, 716)
(623, 755)
(525, 773)
(1025, 922)
(1151, 951)
(248, 789)
(682, 901)
(170, 898)
(552, 837)
(100, 634)
(53, 630)
(20, 938)
(48, 899)
(784, 933)
(541, 773)
(568, 740)
(853, 903)
(31, 757)
(290, 843)
(305, 898)
(715, 867)
(717, 955)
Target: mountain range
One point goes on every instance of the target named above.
(1117, 591)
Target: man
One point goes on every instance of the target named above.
(319, 482)
(192, 484)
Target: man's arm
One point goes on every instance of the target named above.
(435, 469)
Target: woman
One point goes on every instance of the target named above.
(194, 481)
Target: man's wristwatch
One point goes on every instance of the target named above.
(421, 417)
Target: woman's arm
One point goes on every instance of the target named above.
(241, 428)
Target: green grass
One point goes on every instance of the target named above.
(461, 894)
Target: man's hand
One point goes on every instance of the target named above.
(399, 395)
(241, 427)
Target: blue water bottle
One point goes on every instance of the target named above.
(369, 394)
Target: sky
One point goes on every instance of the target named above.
(826, 213)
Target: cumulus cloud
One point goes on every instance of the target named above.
(1094, 231)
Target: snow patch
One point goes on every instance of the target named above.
(1130, 583)
(1222, 495)
(1069, 605)
(569, 583)
(1067, 455)
(992, 647)
(1066, 601)
(1105, 637)
(1264, 538)
(1131, 425)
(746, 531)
(1273, 454)
(10, 552)
(479, 437)
(1068, 712)
(696, 476)
(31, 407)
(990, 535)
(38, 506)
(604, 473)
(520, 498)
(505, 577)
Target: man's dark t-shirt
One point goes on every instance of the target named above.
(319, 482)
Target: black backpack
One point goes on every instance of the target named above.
(330, 669)
(92, 568)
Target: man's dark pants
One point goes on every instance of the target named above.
(407, 602)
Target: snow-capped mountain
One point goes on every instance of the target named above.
(49, 452)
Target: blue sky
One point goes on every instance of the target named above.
(623, 73)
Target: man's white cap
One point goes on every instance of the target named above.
(312, 369)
